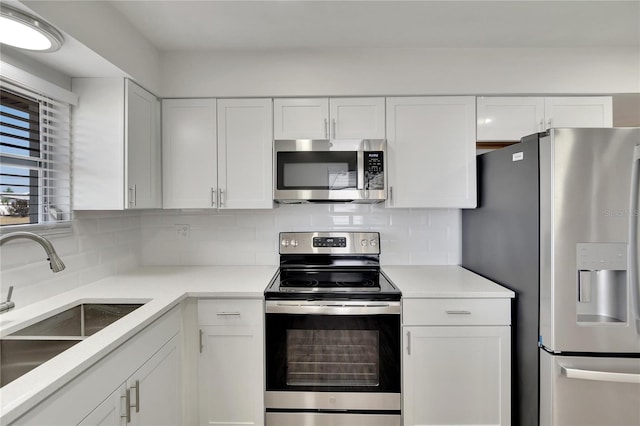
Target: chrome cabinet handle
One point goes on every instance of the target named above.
(458, 312)
(132, 195)
(201, 340)
(541, 125)
(137, 387)
(408, 343)
(228, 314)
(221, 202)
(127, 406)
(391, 194)
(326, 128)
(214, 195)
(333, 122)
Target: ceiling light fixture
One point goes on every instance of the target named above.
(22, 30)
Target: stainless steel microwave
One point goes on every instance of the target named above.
(309, 171)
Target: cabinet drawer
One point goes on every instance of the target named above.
(229, 312)
(456, 311)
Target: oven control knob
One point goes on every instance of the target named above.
(373, 243)
(294, 243)
(285, 243)
(364, 243)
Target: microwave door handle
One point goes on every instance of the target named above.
(633, 280)
(360, 166)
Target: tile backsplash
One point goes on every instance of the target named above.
(99, 244)
(250, 237)
(104, 243)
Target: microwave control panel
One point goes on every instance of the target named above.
(373, 170)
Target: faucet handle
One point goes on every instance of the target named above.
(8, 304)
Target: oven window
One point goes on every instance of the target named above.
(341, 353)
(317, 170)
(333, 358)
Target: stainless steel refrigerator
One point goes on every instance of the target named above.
(557, 222)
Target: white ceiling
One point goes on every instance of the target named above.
(266, 25)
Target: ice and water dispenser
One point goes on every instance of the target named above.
(602, 283)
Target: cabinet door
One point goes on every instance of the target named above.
(142, 113)
(245, 146)
(579, 111)
(110, 413)
(304, 118)
(155, 389)
(357, 118)
(509, 118)
(98, 144)
(231, 366)
(431, 151)
(456, 375)
(189, 154)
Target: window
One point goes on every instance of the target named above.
(34, 159)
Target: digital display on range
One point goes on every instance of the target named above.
(329, 242)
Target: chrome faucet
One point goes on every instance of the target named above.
(54, 261)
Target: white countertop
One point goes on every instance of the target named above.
(443, 281)
(162, 288)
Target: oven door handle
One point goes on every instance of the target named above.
(331, 308)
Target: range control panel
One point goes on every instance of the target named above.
(329, 243)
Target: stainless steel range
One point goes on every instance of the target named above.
(332, 333)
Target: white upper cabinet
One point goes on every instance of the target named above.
(189, 153)
(511, 118)
(116, 139)
(217, 153)
(593, 111)
(301, 118)
(329, 118)
(431, 151)
(143, 148)
(245, 149)
(357, 118)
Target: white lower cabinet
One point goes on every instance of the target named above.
(150, 396)
(231, 362)
(147, 368)
(456, 373)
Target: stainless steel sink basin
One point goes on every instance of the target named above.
(81, 320)
(20, 356)
(29, 347)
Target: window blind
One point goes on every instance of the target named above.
(35, 158)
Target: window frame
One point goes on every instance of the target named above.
(50, 148)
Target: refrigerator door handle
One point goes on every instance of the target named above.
(600, 376)
(633, 238)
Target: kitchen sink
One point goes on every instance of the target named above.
(29, 347)
(81, 320)
(19, 356)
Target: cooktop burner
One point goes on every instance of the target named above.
(336, 265)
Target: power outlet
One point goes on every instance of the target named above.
(183, 231)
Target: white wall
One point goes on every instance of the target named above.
(408, 236)
(100, 27)
(101, 244)
(401, 72)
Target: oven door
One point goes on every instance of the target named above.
(323, 170)
(324, 355)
